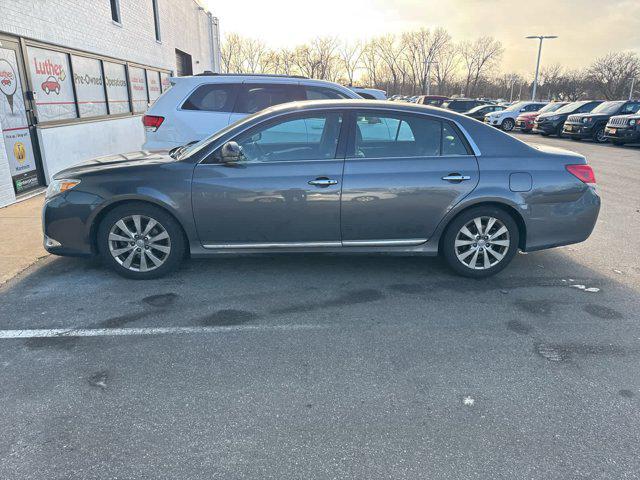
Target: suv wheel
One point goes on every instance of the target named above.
(480, 242)
(140, 241)
(599, 135)
(508, 124)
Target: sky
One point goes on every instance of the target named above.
(586, 28)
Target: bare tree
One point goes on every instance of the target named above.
(479, 58)
(350, 55)
(255, 54)
(612, 74)
(447, 62)
(231, 53)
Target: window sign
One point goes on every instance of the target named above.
(153, 85)
(164, 81)
(87, 77)
(138, 89)
(14, 125)
(52, 84)
(115, 77)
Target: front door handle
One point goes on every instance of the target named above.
(456, 177)
(322, 182)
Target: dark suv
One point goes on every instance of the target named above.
(624, 129)
(592, 125)
(461, 105)
(551, 123)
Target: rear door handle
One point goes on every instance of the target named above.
(322, 182)
(456, 177)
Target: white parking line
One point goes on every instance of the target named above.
(114, 332)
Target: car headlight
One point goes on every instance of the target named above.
(56, 187)
(632, 122)
(586, 120)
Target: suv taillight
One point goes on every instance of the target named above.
(151, 122)
(583, 172)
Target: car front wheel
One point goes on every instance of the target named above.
(508, 124)
(480, 242)
(141, 241)
(599, 135)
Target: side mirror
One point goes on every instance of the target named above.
(230, 152)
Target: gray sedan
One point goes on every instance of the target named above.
(330, 176)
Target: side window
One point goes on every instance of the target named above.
(322, 93)
(307, 137)
(211, 98)
(253, 98)
(452, 144)
(389, 135)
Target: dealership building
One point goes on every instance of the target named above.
(75, 78)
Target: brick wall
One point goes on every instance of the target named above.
(87, 25)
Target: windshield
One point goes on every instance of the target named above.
(571, 107)
(515, 106)
(551, 107)
(608, 107)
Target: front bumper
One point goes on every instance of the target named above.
(66, 223)
(575, 130)
(524, 125)
(547, 127)
(624, 134)
(494, 122)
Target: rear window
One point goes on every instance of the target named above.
(211, 98)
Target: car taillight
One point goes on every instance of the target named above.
(152, 122)
(583, 172)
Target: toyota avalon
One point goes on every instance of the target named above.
(326, 176)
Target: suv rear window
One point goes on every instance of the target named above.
(214, 97)
(255, 97)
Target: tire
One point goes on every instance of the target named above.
(136, 236)
(507, 124)
(457, 256)
(598, 136)
(46, 90)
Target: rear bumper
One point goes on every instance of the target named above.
(555, 224)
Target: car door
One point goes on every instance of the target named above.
(258, 95)
(283, 192)
(403, 173)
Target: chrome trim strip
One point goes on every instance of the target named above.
(273, 245)
(383, 243)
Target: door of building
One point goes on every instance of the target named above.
(16, 120)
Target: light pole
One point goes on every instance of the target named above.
(633, 81)
(427, 79)
(535, 80)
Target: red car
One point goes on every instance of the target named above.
(6, 81)
(524, 122)
(50, 85)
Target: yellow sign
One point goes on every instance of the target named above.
(19, 152)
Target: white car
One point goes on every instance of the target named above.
(370, 93)
(197, 106)
(506, 119)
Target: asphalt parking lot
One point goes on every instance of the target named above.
(326, 366)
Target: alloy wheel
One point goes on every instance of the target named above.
(139, 243)
(508, 125)
(600, 136)
(482, 243)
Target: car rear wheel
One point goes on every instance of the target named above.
(480, 242)
(141, 241)
(508, 124)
